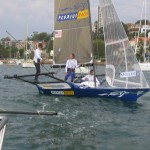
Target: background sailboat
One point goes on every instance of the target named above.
(145, 66)
(27, 63)
(11, 61)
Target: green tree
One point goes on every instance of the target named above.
(99, 48)
(142, 22)
(125, 28)
(40, 37)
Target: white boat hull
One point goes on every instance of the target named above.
(1, 63)
(28, 65)
(11, 62)
(84, 70)
(18, 62)
(145, 66)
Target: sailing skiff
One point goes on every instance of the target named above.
(124, 78)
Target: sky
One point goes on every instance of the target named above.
(15, 15)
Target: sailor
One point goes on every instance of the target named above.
(71, 64)
(88, 80)
(37, 59)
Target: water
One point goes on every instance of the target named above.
(82, 123)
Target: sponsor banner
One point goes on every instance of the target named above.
(83, 14)
(73, 16)
(67, 93)
(58, 33)
(128, 74)
(57, 92)
(66, 17)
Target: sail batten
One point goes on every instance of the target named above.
(115, 42)
(72, 31)
(122, 67)
(75, 28)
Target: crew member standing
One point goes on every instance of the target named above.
(71, 64)
(37, 59)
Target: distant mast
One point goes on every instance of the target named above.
(140, 24)
(26, 47)
(145, 35)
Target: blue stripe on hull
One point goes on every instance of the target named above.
(123, 94)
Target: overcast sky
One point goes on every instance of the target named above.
(38, 14)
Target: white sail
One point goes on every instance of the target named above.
(122, 67)
(3, 121)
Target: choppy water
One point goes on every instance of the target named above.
(82, 123)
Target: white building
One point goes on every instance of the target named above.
(149, 35)
(145, 28)
(100, 19)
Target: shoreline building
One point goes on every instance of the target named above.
(100, 22)
(145, 28)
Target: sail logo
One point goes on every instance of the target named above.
(66, 17)
(128, 74)
(57, 92)
(118, 94)
(73, 16)
(67, 93)
(83, 14)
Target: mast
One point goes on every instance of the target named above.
(10, 50)
(26, 43)
(145, 35)
(137, 39)
(92, 44)
(53, 32)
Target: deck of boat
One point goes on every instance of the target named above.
(55, 86)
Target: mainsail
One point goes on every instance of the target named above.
(72, 31)
(122, 67)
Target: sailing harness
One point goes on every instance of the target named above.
(71, 69)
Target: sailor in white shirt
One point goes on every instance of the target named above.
(88, 80)
(37, 55)
(71, 64)
(37, 59)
